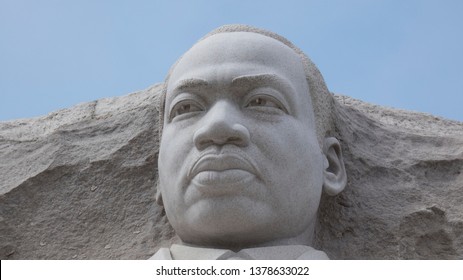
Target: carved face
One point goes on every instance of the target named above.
(239, 160)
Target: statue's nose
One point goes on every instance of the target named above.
(220, 126)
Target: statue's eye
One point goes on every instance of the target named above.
(185, 107)
(265, 101)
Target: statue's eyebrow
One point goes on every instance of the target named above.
(250, 81)
(281, 84)
(190, 83)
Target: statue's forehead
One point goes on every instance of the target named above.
(240, 48)
(219, 60)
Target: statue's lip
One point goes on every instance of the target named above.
(222, 162)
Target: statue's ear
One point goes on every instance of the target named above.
(335, 178)
(158, 195)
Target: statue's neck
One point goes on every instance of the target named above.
(305, 238)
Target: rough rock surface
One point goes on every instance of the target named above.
(80, 184)
(404, 198)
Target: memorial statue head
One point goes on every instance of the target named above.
(245, 150)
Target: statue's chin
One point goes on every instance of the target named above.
(225, 232)
(238, 222)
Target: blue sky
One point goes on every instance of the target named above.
(405, 54)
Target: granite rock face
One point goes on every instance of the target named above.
(405, 186)
(80, 183)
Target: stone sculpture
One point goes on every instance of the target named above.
(243, 154)
(78, 183)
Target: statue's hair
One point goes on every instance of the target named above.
(322, 99)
